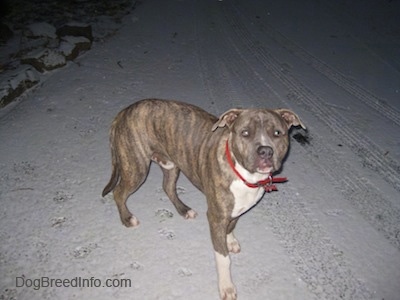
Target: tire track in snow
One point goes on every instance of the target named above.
(335, 76)
(320, 263)
(213, 70)
(360, 192)
(373, 156)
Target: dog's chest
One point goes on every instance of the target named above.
(244, 197)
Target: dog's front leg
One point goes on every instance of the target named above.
(218, 230)
(227, 289)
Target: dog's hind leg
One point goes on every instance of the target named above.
(131, 179)
(169, 185)
(171, 174)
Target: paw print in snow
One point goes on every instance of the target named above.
(137, 266)
(58, 221)
(164, 214)
(62, 196)
(83, 251)
(184, 272)
(168, 234)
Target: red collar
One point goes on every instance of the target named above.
(267, 184)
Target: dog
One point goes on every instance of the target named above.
(230, 159)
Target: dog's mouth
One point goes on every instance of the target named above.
(264, 166)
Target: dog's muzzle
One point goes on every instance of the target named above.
(264, 161)
(265, 152)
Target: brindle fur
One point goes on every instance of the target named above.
(194, 141)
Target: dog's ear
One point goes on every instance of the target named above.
(290, 118)
(227, 118)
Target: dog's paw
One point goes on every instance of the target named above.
(131, 222)
(134, 222)
(234, 247)
(232, 243)
(190, 214)
(228, 293)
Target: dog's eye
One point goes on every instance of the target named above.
(245, 133)
(277, 132)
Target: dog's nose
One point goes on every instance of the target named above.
(265, 151)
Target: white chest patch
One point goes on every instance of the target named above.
(245, 197)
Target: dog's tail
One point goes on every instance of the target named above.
(115, 172)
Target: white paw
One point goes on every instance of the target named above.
(232, 243)
(234, 247)
(191, 214)
(134, 221)
(228, 293)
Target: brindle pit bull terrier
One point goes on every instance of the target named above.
(230, 159)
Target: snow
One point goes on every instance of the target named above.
(42, 29)
(50, 58)
(331, 232)
(68, 44)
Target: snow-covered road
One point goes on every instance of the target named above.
(331, 232)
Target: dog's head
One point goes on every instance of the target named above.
(259, 138)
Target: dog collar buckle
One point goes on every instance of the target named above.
(267, 184)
